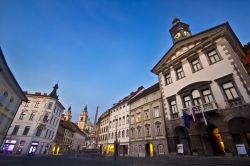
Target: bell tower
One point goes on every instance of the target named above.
(67, 116)
(83, 119)
(179, 30)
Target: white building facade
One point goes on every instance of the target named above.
(119, 125)
(203, 74)
(35, 125)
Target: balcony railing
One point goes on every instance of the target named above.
(174, 115)
(235, 102)
(207, 107)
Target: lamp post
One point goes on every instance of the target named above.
(115, 142)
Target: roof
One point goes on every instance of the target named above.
(68, 125)
(23, 97)
(226, 24)
(146, 92)
(78, 130)
(71, 126)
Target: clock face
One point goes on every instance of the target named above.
(186, 33)
(177, 36)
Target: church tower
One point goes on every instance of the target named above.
(67, 116)
(83, 119)
(179, 30)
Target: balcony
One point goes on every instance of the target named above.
(234, 102)
(207, 107)
(174, 115)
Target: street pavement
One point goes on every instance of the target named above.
(128, 161)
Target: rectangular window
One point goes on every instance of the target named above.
(187, 101)
(180, 73)
(21, 116)
(156, 112)
(39, 131)
(146, 115)
(196, 65)
(168, 79)
(50, 105)
(158, 129)
(147, 130)
(27, 103)
(139, 131)
(138, 117)
(46, 133)
(207, 96)
(32, 116)
(26, 130)
(213, 56)
(173, 107)
(15, 130)
(230, 91)
(37, 104)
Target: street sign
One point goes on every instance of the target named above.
(180, 149)
(241, 149)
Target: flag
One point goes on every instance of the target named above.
(186, 119)
(203, 115)
(192, 111)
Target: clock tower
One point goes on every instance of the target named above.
(179, 30)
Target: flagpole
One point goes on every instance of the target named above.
(202, 111)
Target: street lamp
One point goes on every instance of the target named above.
(115, 142)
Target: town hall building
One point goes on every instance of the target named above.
(202, 76)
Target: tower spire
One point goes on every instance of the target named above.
(54, 92)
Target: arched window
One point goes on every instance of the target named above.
(196, 97)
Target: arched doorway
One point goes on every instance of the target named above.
(149, 150)
(183, 138)
(215, 140)
(240, 129)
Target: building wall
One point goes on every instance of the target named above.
(147, 112)
(10, 98)
(103, 134)
(224, 112)
(40, 107)
(119, 121)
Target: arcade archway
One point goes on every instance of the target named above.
(240, 129)
(215, 140)
(182, 137)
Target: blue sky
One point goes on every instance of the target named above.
(101, 50)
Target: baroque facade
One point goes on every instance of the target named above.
(202, 75)
(11, 96)
(34, 127)
(147, 126)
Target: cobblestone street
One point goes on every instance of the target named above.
(169, 161)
